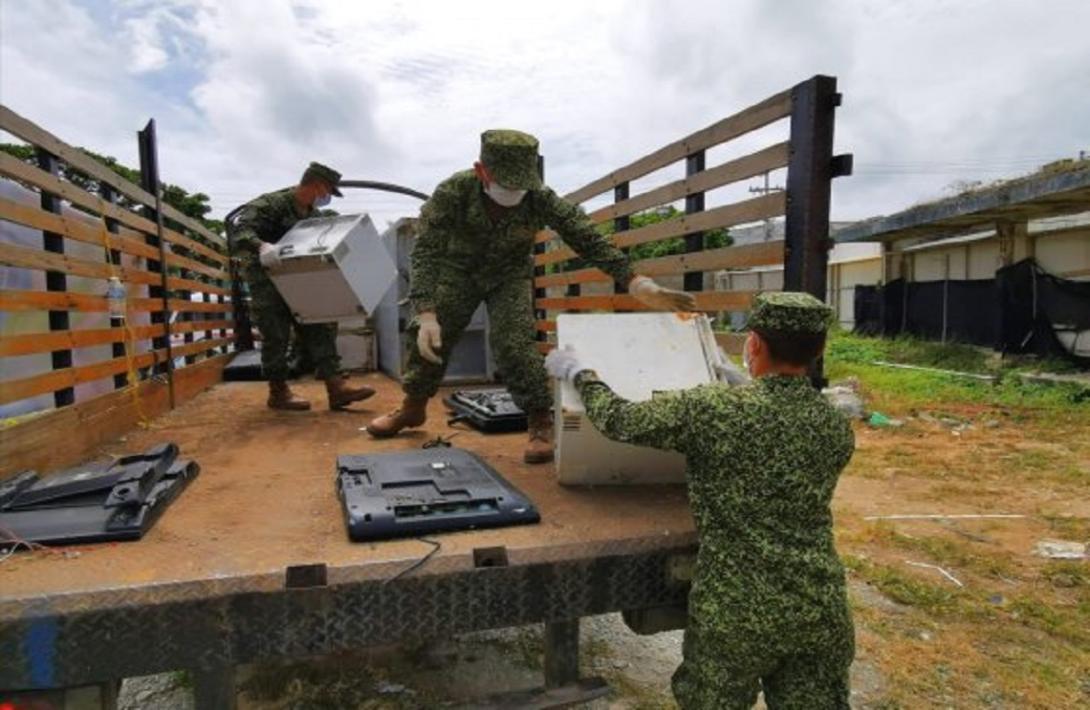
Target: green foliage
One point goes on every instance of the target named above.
(713, 239)
(193, 205)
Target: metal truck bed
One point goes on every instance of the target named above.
(253, 561)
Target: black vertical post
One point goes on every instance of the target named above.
(621, 224)
(694, 280)
(539, 293)
(117, 348)
(240, 310)
(56, 280)
(810, 172)
(561, 653)
(149, 180)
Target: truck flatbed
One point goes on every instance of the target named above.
(253, 560)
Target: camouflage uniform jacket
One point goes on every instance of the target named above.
(763, 462)
(459, 241)
(267, 218)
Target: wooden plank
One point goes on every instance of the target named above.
(757, 116)
(751, 210)
(705, 301)
(70, 435)
(31, 133)
(545, 326)
(27, 258)
(196, 266)
(749, 166)
(180, 284)
(17, 169)
(732, 257)
(183, 306)
(68, 301)
(732, 343)
(31, 343)
(181, 240)
(76, 229)
(15, 390)
(545, 348)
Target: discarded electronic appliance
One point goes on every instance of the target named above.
(332, 268)
(95, 502)
(638, 355)
(492, 410)
(471, 359)
(426, 490)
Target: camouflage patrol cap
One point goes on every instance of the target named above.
(511, 157)
(317, 171)
(789, 312)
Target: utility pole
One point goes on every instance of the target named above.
(764, 191)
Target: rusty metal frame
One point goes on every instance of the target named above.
(205, 627)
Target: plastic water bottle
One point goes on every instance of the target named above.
(115, 298)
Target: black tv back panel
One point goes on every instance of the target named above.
(489, 410)
(410, 493)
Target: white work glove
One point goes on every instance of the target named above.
(728, 372)
(269, 255)
(649, 293)
(429, 339)
(563, 363)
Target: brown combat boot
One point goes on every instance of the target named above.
(540, 448)
(280, 397)
(341, 395)
(412, 413)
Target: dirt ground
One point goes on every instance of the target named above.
(949, 612)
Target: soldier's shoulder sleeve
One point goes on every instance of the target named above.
(660, 422)
(576, 230)
(439, 218)
(250, 223)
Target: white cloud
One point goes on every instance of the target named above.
(246, 92)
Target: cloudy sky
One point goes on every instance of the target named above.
(245, 92)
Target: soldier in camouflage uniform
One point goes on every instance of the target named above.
(768, 608)
(476, 236)
(260, 225)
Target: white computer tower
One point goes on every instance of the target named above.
(637, 355)
(333, 269)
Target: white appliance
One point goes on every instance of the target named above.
(333, 268)
(637, 355)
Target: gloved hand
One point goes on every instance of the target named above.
(646, 291)
(728, 372)
(268, 255)
(429, 338)
(564, 364)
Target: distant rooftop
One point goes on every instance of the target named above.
(1049, 193)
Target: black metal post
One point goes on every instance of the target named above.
(56, 280)
(694, 280)
(117, 348)
(561, 653)
(621, 224)
(539, 293)
(810, 171)
(149, 180)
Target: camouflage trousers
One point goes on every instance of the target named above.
(719, 673)
(511, 319)
(317, 343)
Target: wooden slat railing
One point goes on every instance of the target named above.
(197, 281)
(807, 158)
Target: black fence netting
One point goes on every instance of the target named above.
(1022, 310)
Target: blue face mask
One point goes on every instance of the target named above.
(322, 201)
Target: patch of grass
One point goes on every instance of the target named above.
(1069, 527)
(1067, 574)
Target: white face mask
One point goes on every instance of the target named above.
(322, 201)
(503, 196)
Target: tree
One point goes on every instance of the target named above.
(193, 205)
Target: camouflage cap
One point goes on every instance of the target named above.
(317, 171)
(511, 157)
(789, 312)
